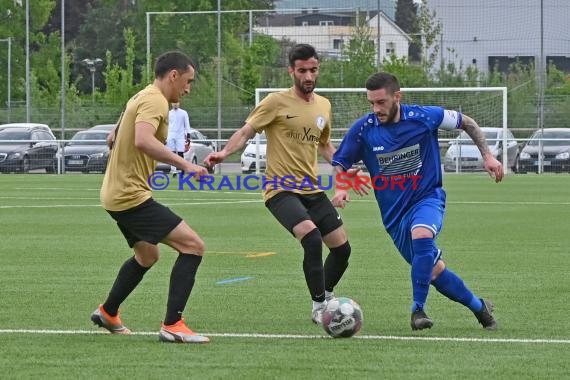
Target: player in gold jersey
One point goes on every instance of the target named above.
(137, 143)
(297, 123)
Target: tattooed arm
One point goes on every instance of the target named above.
(492, 165)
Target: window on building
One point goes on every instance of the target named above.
(562, 63)
(326, 23)
(338, 44)
(304, 23)
(502, 64)
(390, 48)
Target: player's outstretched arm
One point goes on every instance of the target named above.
(345, 180)
(491, 164)
(238, 140)
(146, 141)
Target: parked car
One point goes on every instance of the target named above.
(200, 147)
(25, 148)
(248, 157)
(45, 127)
(555, 151)
(102, 127)
(464, 149)
(87, 151)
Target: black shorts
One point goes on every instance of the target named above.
(291, 209)
(150, 221)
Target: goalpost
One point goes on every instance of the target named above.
(486, 105)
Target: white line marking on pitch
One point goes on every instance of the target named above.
(166, 203)
(290, 336)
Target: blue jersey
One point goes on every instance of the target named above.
(402, 158)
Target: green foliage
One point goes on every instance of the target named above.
(249, 78)
(244, 64)
(429, 30)
(409, 75)
(359, 57)
(12, 24)
(118, 80)
(406, 18)
(257, 58)
(558, 83)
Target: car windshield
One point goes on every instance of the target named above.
(14, 136)
(103, 127)
(87, 139)
(563, 138)
(490, 136)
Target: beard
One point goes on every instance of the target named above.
(306, 87)
(391, 116)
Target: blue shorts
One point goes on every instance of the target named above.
(427, 213)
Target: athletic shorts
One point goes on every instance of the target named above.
(150, 221)
(291, 209)
(427, 213)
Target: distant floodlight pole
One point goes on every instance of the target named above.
(9, 93)
(379, 57)
(28, 91)
(92, 65)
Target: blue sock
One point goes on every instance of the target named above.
(422, 266)
(453, 287)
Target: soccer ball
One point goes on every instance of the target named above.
(342, 317)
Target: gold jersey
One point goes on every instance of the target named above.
(125, 184)
(294, 128)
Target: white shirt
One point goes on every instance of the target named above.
(178, 127)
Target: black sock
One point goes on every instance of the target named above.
(335, 265)
(129, 276)
(313, 264)
(181, 283)
(181, 154)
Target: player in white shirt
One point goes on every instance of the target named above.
(178, 139)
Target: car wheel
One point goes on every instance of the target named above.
(25, 164)
(194, 160)
(52, 168)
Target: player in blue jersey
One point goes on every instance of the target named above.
(398, 144)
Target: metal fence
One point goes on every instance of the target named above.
(545, 151)
(232, 47)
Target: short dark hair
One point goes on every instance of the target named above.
(302, 52)
(172, 60)
(383, 80)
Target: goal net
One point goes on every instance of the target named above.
(486, 105)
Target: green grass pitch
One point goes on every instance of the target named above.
(60, 251)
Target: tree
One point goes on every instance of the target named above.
(75, 14)
(13, 20)
(409, 75)
(257, 59)
(429, 29)
(406, 19)
(360, 57)
(119, 81)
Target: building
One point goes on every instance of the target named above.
(490, 33)
(386, 6)
(328, 32)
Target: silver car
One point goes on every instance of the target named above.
(200, 147)
(249, 155)
(103, 127)
(555, 152)
(463, 154)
